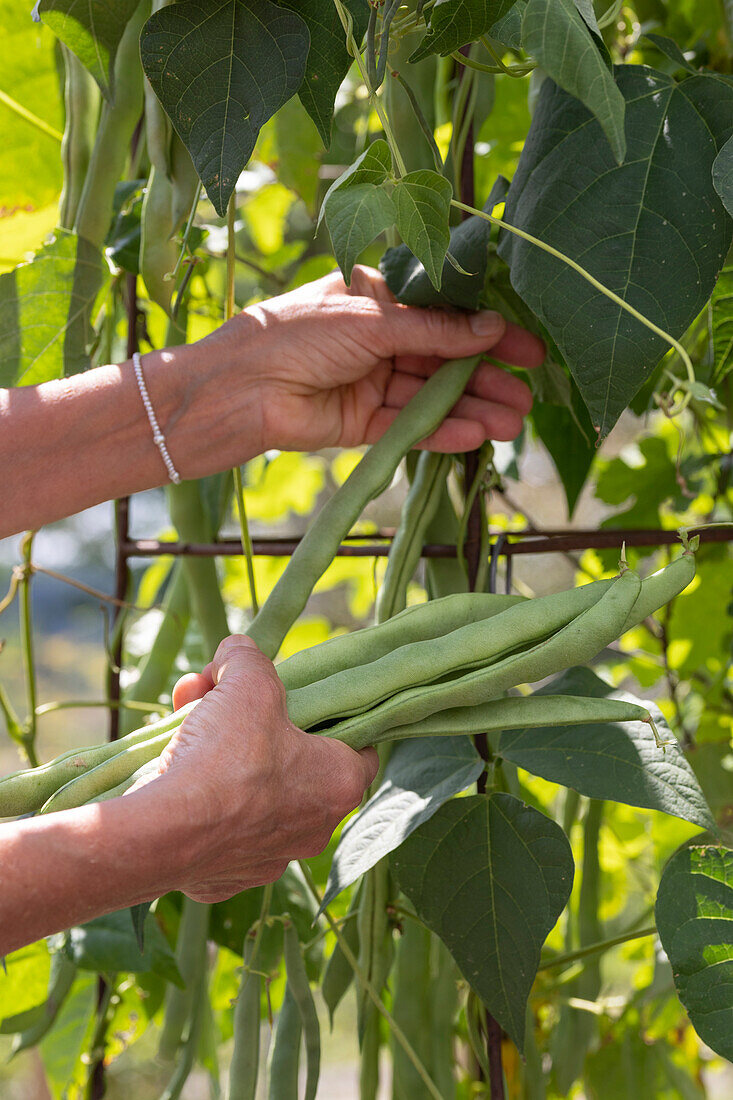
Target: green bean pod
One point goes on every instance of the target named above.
(303, 997)
(151, 768)
(472, 646)
(510, 712)
(581, 640)
(158, 250)
(244, 1068)
(27, 790)
(193, 524)
(339, 973)
(81, 102)
(661, 587)
(412, 1006)
(110, 773)
(406, 549)
(417, 623)
(284, 1059)
(191, 961)
(316, 550)
(116, 126)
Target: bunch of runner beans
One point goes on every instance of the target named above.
(431, 670)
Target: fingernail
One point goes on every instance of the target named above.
(486, 323)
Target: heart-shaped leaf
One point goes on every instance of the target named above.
(221, 70)
(328, 59)
(453, 23)
(490, 876)
(422, 204)
(694, 914)
(357, 208)
(615, 760)
(559, 38)
(420, 776)
(92, 29)
(652, 229)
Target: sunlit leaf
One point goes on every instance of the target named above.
(92, 29)
(694, 914)
(453, 23)
(357, 208)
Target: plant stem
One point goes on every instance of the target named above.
(75, 704)
(28, 116)
(26, 642)
(681, 351)
(12, 721)
(369, 988)
(95, 1086)
(592, 948)
(229, 309)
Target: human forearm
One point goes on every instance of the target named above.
(68, 444)
(63, 869)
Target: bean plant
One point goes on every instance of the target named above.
(535, 900)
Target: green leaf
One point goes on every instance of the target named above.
(221, 70)
(653, 229)
(138, 915)
(24, 983)
(559, 38)
(92, 29)
(63, 1048)
(420, 776)
(453, 23)
(508, 29)
(357, 208)
(45, 311)
(110, 943)
(670, 49)
(563, 425)
(422, 205)
(619, 761)
(694, 915)
(722, 325)
(30, 165)
(407, 279)
(490, 876)
(328, 58)
(723, 175)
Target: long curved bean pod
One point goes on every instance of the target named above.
(244, 1068)
(417, 623)
(303, 997)
(472, 646)
(661, 587)
(578, 642)
(81, 102)
(375, 471)
(419, 509)
(191, 961)
(284, 1059)
(27, 790)
(511, 712)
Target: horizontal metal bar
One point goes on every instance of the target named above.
(527, 542)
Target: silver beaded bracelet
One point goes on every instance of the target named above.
(158, 437)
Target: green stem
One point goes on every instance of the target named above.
(122, 704)
(681, 351)
(371, 991)
(509, 70)
(28, 116)
(592, 948)
(96, 1051)
(26, 642)
(13, 723)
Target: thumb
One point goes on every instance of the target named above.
(407, 330)
(239, 661)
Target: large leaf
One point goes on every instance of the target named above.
(559, 37)
(420, 776)
(92, 29)
(615, 760)
(652, 229)
(469, 244)
(45, 311)
(357, 208)
(723, 175)
(328, 59)
(490, 876)
(64, 1048)
(722, 325)
(110, 943)
(453, 23)
(24, 981)
(221, 69)
(422, 205)
(694, 914)
(30, 165)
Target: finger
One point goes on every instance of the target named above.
(519, 348)
(190, 687)
(391, 329)
(370, 759)
(367, 282)
(242, 671)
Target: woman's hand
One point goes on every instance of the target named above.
(332, 365)
(260, 791)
